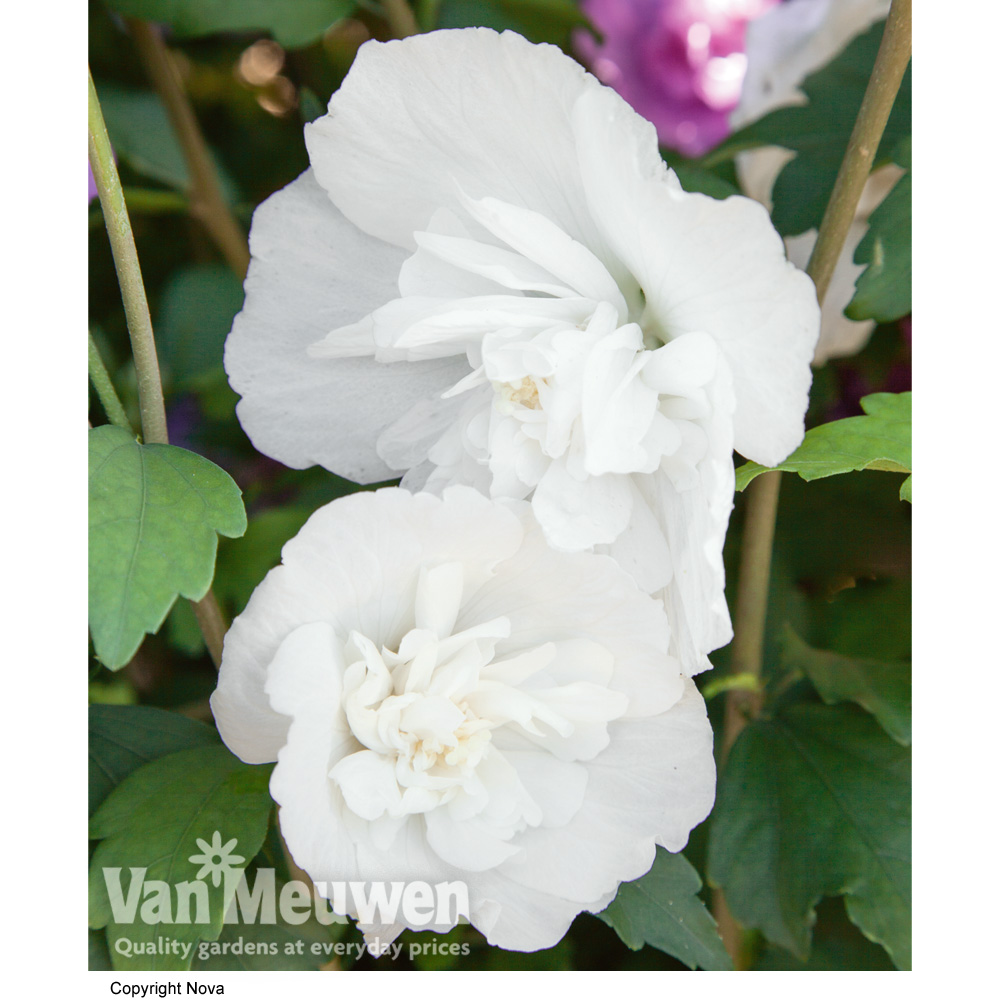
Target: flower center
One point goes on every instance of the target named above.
(523, 392)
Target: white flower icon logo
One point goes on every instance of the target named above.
(216, 859)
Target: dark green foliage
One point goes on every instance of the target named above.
(815, 801)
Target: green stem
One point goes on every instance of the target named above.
(750, 615)
(154, 417)
(149, 201)
(105, 389)
(206, 201)
(890, 65)
(140, 327)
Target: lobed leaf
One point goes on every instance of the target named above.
(815, 802)
(154, 513)
(153, 820)
(837, 946)
(124, 737)
(879, 440)
(884, 290)
(880, 687)
(663, 909)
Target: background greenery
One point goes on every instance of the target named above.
(810, 834)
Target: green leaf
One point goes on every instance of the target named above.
(538, 20)
(818, 133)
(663, 909)
(182, 630)
(154, 820)
(310, 106)
(124, 737)
(154, 513)
(815, 802)
(883, 291)
(196, 314)
(696, 178)
(559, 958)
(880, 687)
(838, 946)
(143, 137)
(98, 956)
(293, 23)
(243, 565)
(878, 440)
(871, 619)
(270, 947)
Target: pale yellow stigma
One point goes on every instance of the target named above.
(523, 392)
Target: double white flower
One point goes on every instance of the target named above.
(490, 277)
(449, 699)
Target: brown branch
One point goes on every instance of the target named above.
(207, 204)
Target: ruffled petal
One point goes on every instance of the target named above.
(311, 272)
(579, 513)
(419, 122)
(551, 596)
(354, 565)
(716, 267)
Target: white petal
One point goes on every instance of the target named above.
(354, 564)
(792, 40)
(557, 786)
(406, 442)
(550, 597)
(576, 514)
(654, 783)
(716, 267)
(428, 328)
(501, 267)
(641, 549)
(439, 596)
(425, 273)
(368, 783)
(617, 405)
(419, 120)
(540, 240)
(312, 272)
(694, 523)
(687, 362)
(304, 682)
(468, 844)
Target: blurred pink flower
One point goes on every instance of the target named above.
(679, 63)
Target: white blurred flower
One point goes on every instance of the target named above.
(449, 699)
(784, 46)
(489, 276)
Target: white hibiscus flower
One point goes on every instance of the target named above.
(450, 699)
(489, 276)
(784, 46)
